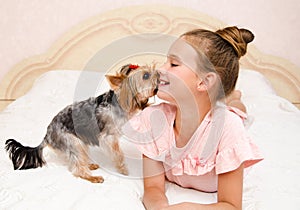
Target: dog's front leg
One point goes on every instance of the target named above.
(118, 157)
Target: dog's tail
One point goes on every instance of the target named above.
(24, 157)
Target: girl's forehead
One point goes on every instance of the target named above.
(186, 54)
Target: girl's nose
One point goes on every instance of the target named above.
(162, 70)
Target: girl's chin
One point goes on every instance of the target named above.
(164, 96)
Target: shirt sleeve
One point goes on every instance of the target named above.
(236, 147)
(149, 132)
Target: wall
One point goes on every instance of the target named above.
(30, 27)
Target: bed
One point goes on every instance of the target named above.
(73, 69)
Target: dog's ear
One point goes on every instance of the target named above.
(128, 68)
(125, 70)
(115, 81)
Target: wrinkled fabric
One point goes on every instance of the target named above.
(220, 144)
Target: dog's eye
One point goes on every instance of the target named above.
(146, 76)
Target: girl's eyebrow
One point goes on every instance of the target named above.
(175, 57)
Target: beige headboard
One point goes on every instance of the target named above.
(76, 50)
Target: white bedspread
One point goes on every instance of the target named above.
(271, 184)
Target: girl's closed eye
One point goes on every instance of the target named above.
(174, 63)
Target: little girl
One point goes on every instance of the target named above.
(195, 140)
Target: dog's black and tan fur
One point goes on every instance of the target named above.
(93, 122)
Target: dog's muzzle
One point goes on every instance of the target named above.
(157, 82)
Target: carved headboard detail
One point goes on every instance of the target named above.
(78, 48)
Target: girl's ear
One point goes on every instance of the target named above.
(207, 81)
(115, 81)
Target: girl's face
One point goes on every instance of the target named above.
(180, 75)
(178, 82)
(188, 79)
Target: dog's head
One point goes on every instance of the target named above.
(134, 85)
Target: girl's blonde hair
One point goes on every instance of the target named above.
(223, 49)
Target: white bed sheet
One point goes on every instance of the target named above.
(271, 184)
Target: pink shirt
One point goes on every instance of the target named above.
(219, 145)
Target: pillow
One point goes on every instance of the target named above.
(253, 83)
(79, 85)
(83, 84)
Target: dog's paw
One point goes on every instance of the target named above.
(93, 166)
(123, 170)
(96, 179)
(93, 179)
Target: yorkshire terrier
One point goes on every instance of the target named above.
(92, 122)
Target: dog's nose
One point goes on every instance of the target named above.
(156, 74)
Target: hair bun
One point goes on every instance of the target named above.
(238, 38)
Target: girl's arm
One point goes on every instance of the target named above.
(154, 185)
(230, 190)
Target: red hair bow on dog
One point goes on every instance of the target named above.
(132, 66)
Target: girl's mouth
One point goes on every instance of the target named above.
(163, 82)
